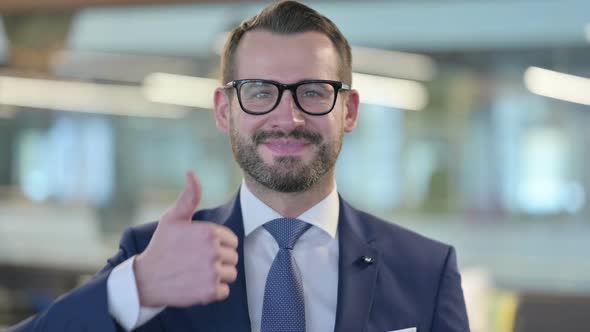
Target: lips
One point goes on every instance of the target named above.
(286, 146)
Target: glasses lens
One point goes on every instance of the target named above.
(316, 97)
(258, 97)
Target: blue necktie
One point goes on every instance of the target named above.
(283, 309)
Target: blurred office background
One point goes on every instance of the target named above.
(473, 131)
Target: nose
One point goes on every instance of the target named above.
(287, 115)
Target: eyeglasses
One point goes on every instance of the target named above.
(314, 97)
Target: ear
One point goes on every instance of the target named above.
(352, 111)
(222, 109)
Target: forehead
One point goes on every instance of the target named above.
(286, 58)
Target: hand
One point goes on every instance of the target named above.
(186, 263)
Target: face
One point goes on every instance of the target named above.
(286, 150)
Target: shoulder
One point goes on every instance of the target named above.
(391, 233)
(399, 245)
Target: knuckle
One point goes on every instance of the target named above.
(217, 270)
(212, 293)
(233, 274)
(222, 291)
(234, 238)
(213, 276)
(208, 233)
(235, 257)
(216, 254)
(213, 258)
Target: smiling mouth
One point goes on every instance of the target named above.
(286, 146)
(287, 143)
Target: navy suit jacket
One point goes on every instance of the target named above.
(411, 282)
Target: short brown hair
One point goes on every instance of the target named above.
(287, 17)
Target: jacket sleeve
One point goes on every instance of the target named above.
(450, 314)
(84, 308)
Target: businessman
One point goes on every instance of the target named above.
(286, 253)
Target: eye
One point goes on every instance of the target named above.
(312, 93)
(262, 94)
(258, 91)
(315, 91)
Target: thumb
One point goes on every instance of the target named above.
(188, 200)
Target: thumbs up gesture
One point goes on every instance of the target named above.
(186, 263)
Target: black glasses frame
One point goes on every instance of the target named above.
(237, 84)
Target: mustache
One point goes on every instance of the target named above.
(298, 133)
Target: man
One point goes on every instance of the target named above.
(286, 253)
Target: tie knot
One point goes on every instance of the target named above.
(286, 231)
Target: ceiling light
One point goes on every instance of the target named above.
(390, 92)
(80, 97)
(180, 90)
(393, 64)
(558, 85)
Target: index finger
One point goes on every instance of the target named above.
(226, 236)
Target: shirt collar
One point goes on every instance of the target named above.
(323, 215)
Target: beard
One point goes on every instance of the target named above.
(288, 174)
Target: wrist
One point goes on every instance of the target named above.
(142, 281)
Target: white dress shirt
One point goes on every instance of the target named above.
(316, 254)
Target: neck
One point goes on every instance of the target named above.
(292, 205)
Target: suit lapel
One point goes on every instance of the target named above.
(232, 314)
(357, 276)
